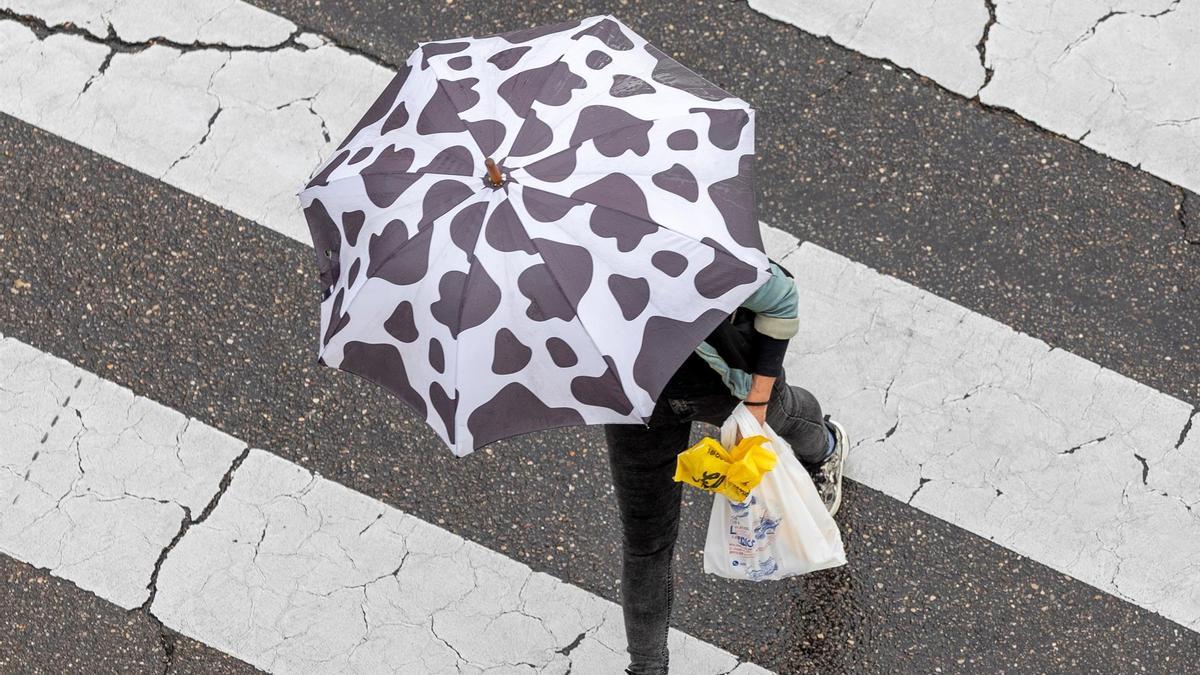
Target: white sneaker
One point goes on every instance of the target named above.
(828, 477)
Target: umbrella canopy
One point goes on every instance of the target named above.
(533, 229)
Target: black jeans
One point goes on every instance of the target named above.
(642, 458)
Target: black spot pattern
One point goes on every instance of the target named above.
(534, 137)
(555, 286)
(627, 220)
(613, 130)
(626, 229)
(383, 365)
(445, 406)
(396, 120)
(461, 307)
(386, 178)
(684, 139)
(440, 199)
(439, 116)
(337, 320)
(508, 58)
(352, 223)
(560, 352)
(734, 198)
(439, 49)
(608, 32)
(504, 231)
(551, 84)
(669, 262)
(678, 180)
(546, 207)
(420, 170)
(597, 59)
(489, 134)
(325, 236)
(724, 126)
(722, 275)
(516, 410)
(604, 390)
(400, 324)
(437, 358)
(396, 258)
(461, 92)
(666, 342)
(629, 85)
(509, 355)
(465, 226)
(454, 160)
(546, 301)
(631, 293)
(554, 168)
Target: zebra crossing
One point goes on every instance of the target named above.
(1061, 461)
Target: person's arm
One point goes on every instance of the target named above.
(776, 308)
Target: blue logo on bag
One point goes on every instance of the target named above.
(768, 567)
(767, 526)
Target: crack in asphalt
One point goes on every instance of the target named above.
(1071, 451)
(1181, 214)
(1187, 428)
(186, 524)
(1112, 14)
(43, 29)
(981, 46)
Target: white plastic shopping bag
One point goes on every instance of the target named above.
(782, 529)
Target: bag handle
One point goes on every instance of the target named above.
(741, 418)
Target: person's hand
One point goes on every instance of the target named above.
(759, 412)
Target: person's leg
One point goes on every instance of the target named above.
(795, 414)
(642, 460)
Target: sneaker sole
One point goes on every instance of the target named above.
(839, 439)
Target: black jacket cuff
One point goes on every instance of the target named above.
(770, 355)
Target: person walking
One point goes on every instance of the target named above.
(740, 361)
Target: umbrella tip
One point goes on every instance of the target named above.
(494, 175)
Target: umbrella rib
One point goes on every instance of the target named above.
(437, 75)
(579, 316)
(471, 263)
(360, 174)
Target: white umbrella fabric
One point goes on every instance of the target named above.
(533, 229)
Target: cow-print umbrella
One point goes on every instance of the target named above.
(533, 229)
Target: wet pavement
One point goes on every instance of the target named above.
(152, 288)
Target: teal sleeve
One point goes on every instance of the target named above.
(775, 305)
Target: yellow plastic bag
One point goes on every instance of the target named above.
(733, 473)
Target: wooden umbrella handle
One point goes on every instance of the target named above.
(493, 172)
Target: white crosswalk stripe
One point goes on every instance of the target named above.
(1037, 449)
